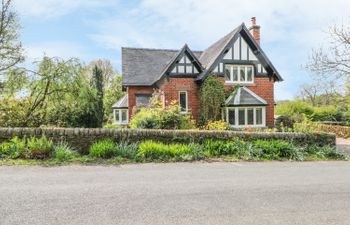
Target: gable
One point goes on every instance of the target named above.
(238, 51)
(247, 51)
(184, 66)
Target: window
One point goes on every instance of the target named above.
(239, 73)
(124, 116)
(245, 116)
(241, 116)
(231, 116)
(183, 101)
(121, 116)
(250, 116)
(258, 119)
(142, 99)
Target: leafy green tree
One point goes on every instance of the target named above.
(11, 51)
(98, 85)
(111, 95)
(212, 97)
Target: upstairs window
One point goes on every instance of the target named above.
(239, 73)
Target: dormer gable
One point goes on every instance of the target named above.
(185, 64)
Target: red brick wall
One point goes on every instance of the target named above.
(263, 86)
(171, 89)
(132, 91)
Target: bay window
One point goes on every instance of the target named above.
(121, 116)
(239, 73)
(245, 116)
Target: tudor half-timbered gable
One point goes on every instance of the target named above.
(237, 59)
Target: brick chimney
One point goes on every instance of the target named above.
(255, 30)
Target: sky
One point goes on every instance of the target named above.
(97, 29)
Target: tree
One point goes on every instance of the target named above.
(111, 84)
(46, 90)
(11, 51)
(98, 85)
(212, 97)
(335, 60)
(111, 95)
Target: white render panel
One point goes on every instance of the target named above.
(174, 70)
(216, 69)
(259, 68)
(236, 49)
(252, 55)
(228, 54)
(195, 69)
(181, 69)
(244, 50)
(221, 67)
(182, 60)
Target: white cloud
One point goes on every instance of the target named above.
(60, 49)
(45, 9)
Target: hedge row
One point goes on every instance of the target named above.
(339, 131)
(82, 138)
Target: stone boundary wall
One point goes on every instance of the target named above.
(82, 138)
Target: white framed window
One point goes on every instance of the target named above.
(239, 73)
(241, 117)
(121, 116)
(183, 101)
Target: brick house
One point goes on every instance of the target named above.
(236, 59)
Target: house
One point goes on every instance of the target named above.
(236, 59)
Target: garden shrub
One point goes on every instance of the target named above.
(103, 149)
(40, 148)
(151, 150)
(145, 119)
(15, 148)
(126, 150)
(276, 149)
(63, 152)
(216, 125)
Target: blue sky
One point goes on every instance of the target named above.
(93, 29)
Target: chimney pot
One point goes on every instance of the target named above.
(253, 20)
(255, 30)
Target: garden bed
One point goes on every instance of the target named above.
(43, 151)
(82, 138)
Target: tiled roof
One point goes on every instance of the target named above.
(121, 103)
(143, 66)
(244, 97)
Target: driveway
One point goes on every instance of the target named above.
(178, 193)
(343, 144)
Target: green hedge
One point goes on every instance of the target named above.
(82, 138)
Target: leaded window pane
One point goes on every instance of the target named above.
(142, 100)
(258, 116)
(227, 74)
(242, 74)
(249, 73)
(231, 116)
(250, 114)
(116, 113)
(235, 73)
(183, 101)
(124, 115)
(241, 117)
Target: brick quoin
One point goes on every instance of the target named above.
(263, 86)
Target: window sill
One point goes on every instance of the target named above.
(240, 83)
